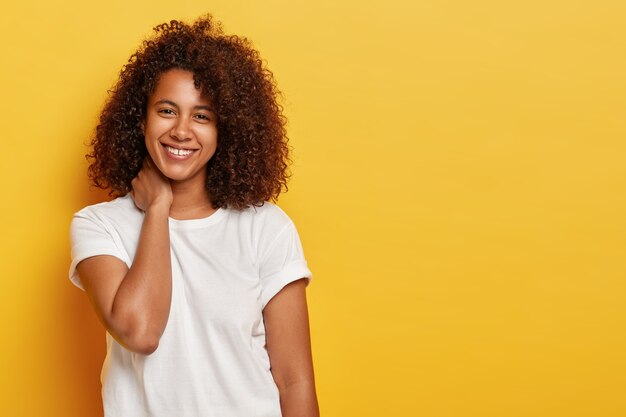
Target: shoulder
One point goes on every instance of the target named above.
(118, 205)
(268, 216)
(121, 210)
(263, 225)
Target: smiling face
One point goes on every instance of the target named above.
(180, 128)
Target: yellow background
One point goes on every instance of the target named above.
(459, 188)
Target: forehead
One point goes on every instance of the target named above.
(177, 85)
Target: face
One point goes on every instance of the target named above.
(180, 128)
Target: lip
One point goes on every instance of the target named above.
(177, 157)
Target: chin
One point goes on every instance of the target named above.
(176, 177)
(180, 176)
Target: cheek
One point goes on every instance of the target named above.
(206, 136)
(211, 136)
(156, 127)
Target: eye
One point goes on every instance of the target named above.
(203, 117)
(168, 112)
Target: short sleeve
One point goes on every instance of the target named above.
(89, 237)
(282, 263)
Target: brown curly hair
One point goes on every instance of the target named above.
(252, 157)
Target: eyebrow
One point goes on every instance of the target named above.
(171, 103)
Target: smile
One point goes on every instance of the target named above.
(178, 152)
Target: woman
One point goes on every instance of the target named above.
(197, 277)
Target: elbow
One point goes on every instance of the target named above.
(136, 335)
(145, 346)
(142, 342)
(147, 349)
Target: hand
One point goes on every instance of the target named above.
(151, 188)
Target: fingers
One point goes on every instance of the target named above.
(149, 165)
(150, 185)
(148, 162)
(137, 203)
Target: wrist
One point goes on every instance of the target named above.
(159, 207)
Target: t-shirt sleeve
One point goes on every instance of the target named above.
(89, 237)
(282, 263)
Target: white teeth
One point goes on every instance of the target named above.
(180, 152)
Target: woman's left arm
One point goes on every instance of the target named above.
(289, 347)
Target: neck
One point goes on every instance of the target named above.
(191, 200)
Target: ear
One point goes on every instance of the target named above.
(143, 127)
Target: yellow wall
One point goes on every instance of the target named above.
(459, 189)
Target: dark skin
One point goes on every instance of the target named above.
(289, 347)
(134, 303)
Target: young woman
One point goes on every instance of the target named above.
(197, 277)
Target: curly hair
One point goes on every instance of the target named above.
(251, 162)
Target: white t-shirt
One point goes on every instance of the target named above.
(211, 359)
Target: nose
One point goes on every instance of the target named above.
(180, 130)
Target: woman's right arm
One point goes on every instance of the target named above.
(134, 304)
